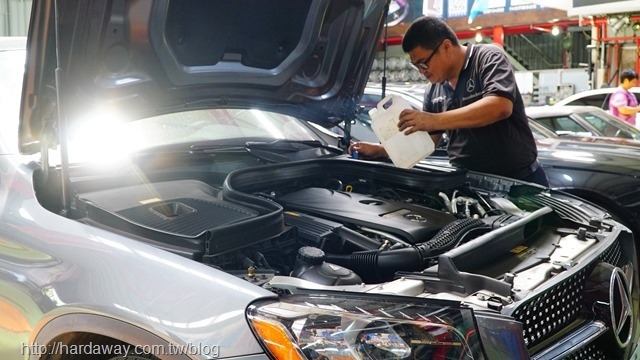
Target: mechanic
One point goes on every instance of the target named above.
(473, 96)
(622, 103)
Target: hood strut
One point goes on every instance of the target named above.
(385, 45)
(62, 122)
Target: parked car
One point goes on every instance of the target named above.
(596, 97)
(583, 121)
(571, 161)
(598, 169)
(167, 198)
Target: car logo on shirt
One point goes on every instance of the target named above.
(471, 85)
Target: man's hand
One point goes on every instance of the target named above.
(415, 120)
(367, 150)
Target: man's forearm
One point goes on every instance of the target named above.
(629, 110)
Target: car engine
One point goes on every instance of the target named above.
(339, 224)
(333, 223)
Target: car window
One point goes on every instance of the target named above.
(537, 134)
(598, 100)
(609, 126)
(606, 128)
(540, 132)
(563, 125)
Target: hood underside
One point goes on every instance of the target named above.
(306, 58)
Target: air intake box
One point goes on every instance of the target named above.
(184, 216)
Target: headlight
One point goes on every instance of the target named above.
(364, 327)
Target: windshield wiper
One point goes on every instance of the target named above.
(273, 151)
(291, 145)
(220, 148)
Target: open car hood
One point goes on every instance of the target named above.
(306, 58)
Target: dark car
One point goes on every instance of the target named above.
(583, 121)
(167, 198)
(605, 170)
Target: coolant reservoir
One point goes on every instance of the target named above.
(310, 266)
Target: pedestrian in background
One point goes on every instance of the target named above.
(622, 103)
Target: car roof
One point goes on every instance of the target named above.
(592, 92)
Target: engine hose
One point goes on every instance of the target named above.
(376, 265)
(448, 237)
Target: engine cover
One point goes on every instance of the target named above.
(412, 223)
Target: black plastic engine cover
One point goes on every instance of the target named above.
(412, 223)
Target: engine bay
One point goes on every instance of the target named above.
(338, 223)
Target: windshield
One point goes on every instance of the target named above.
(609, 126)
(208, 127)
(220, 124)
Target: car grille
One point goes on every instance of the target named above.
(590, 352)
(554, 309)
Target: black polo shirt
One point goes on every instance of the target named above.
(504, 147)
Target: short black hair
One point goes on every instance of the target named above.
(628, 74)
(427, 32)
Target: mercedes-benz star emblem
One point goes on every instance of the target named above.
(620, 304)
(415, 217)
(471, 85)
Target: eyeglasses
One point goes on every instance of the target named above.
(424, 64)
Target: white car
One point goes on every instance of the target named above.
(598, 98)
(583, 121)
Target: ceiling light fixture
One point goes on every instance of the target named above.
(555, 29)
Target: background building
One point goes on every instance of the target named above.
(557, 47)
(14, 17)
